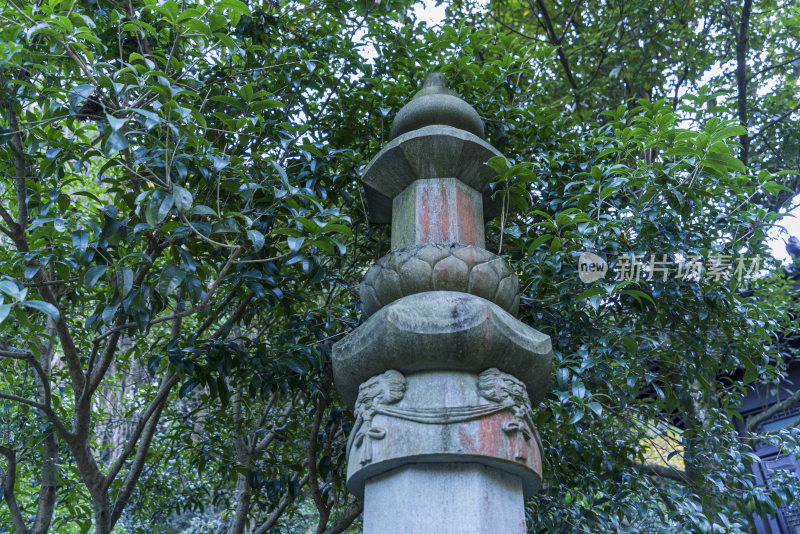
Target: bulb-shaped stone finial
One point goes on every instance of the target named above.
(436, 104)
(435, 83)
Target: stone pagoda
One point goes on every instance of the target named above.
(441, 375)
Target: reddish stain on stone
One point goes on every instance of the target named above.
(423, 214)
(466, 217)
(445, 214)
(465, 438)
(535, 458)
(432, 215)
(489, 432)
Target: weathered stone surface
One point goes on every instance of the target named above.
(441, 267)
(442, 330)
(440, 210)
(440, 372)
(436, 104)
(444, 499)
(436, 151)
(443, 416)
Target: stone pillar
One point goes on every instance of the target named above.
(441, 375)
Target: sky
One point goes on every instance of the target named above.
(789, 225)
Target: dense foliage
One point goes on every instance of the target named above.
(183, 235)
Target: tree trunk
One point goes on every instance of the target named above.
(102, 512)
(243, 493)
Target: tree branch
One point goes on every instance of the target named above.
(754, 420)
(218, 310)
(569, 21)
(29, 358)
(742, 46)
(8, 490)
(323, 509)
(20, 169)
(663, 471)
(346, 519)
(264, 443)
(25, 401)
(236, 315)
(562, 56)
(152, 410)
(774, 122)
(95, 376)
(9, 220)
(282, 504)
(773, 67)
(145, 437)
(49, 481)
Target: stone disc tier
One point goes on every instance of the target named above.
(442, 330)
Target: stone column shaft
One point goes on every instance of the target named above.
(445, 498)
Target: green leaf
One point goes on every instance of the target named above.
(295, 243)
(158, 209)
(596, 407)
(631, 345)
(93, 275)
(234, 5)
(729, 131)
(638, 295)
(202, 210)
(116, 123)
(42, 306)
(187, 387)
(31, 271)
(183, 198)
(124, 277)
(724, 162)
(220, 163)
(171, 278)
(80, 241)
(592, 291)
(116, 142)
(4, 309)
(577, 415)
(257, 238)
(261, 105)
(13, 290)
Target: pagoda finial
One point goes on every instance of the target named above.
(436, 104)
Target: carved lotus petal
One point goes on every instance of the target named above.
(387, 286)
(507, 292)
(450, 274)
(440, 266)
(370, 303)
(416, 276)
(483, 281)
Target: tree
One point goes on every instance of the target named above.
(184, 235)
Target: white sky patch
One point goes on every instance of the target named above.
(788, 226)
(428, 11)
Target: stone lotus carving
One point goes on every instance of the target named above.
(377, 396)
(440, 267)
